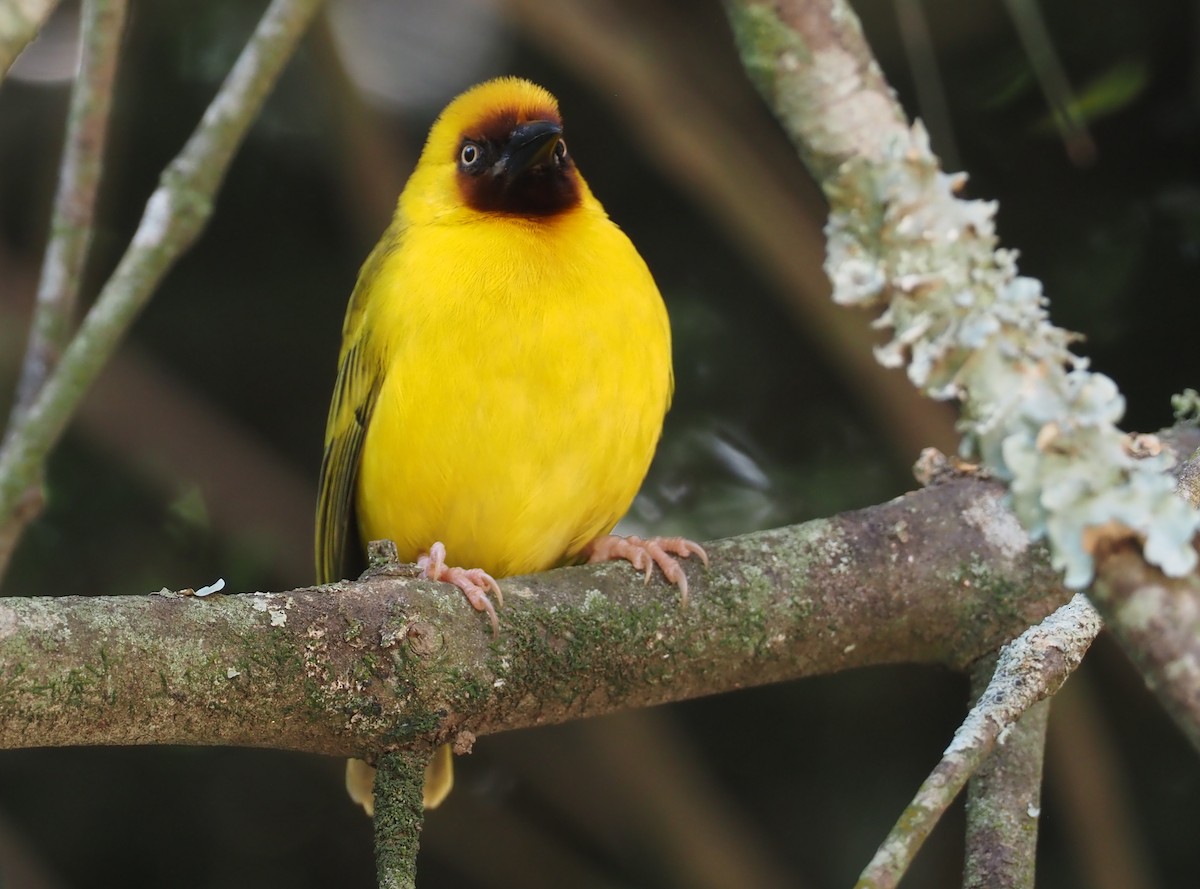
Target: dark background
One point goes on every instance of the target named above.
(196, 456)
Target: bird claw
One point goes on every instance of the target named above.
(645, 554)
(475, 583)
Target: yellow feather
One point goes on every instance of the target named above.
(503, 376)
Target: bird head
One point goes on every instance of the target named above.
(497, 149)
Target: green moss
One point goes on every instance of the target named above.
(761, 39)
(466, 686)
(999, 595)
(365, 669)
(802, 605)
(398, 817)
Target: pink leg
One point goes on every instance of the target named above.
(474, 582)
(645, 554)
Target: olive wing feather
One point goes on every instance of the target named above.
(360, 372)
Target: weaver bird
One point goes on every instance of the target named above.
(504, 372)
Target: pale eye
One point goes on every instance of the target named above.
(469, 154)
(560, 150)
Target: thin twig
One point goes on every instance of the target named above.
(71, 225)
(75, 201)
(20, 20)
(1035, 37)
(175, 215)
(1029, 669)
(1004, 801)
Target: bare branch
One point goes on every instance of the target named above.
(357, 668)
(1029, 669)
(75, 201)
(175, 215)
(71, 225)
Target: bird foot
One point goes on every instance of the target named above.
(645, 554)
(475, 583)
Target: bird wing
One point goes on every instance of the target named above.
(360, 372)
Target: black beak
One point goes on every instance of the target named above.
(530, 145)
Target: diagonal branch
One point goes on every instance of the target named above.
(71, 226)
(75, 200)
(175, 215)
(20, 20)
(1030, 669)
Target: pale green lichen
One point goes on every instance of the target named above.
(1186, 406)
(998, 526)
(966, 326)
(594, 599)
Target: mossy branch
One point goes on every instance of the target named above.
(399, 816)
(940, 576)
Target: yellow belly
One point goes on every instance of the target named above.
(522, 401)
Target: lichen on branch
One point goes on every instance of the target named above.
(965, 325)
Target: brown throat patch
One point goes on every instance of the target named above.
(542, 190)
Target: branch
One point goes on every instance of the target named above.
(175, 215)
(1157, 621)
(1030, 669)
(71, 226)
(1004, 801)
(358, 668)
(812, 65)
(964, 324)
(399, 815)
(75, 201)
(20, 20)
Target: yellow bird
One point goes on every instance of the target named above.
(504, 372)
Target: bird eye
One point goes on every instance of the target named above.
(469, 155)
(560, 150)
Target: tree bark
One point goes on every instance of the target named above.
(940, 576)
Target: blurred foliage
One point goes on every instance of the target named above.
(763, 432)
